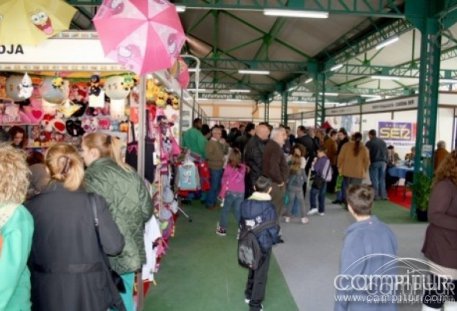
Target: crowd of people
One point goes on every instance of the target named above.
(271, 169)
(61, 243)
(79, 218)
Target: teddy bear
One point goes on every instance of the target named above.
(46, 129)
(161, 99)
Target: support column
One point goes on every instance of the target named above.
(284, 106)
(428, 96)
(266, 111)
(319, 115)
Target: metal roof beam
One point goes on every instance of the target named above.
(384, 8)
(276, 39)
(396, 71)
(356, 47)
(271, 65)
(350, 47)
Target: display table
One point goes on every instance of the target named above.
(400, 171)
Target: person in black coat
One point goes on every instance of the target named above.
(253, 156)
(68, 271)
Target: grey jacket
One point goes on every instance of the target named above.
(365, 238)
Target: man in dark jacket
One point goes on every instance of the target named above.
(378, 164)
(253, 156)
(305, 137)
(256, 210)
(241, 141)
(275, 167)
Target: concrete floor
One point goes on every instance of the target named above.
(309, 258)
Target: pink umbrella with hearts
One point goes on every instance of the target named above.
(143, 35)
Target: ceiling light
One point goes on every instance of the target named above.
(329, 94)
(295, 13)
(385, 78)
(370, 96)
(239, 91)
(387, 42)
(336, 67)
(180, 8)
(309, 80)
(253, 72)
(292, 88)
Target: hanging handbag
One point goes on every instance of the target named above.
(116, 278)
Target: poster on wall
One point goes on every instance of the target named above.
(350, 123)
(397, 133)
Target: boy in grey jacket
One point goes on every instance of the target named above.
(369, 251)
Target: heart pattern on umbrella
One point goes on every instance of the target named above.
(148, 36)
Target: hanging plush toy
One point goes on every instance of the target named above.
(175, 103)
(57, 83)
(96, 94)
(161, 99)
(150, 89)
(128, 83)
(26, 87)
(94, 85)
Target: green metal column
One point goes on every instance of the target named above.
(284, 106)
(428, 96)
(319, 115)
(266, 111)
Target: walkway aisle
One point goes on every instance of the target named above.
(200, 271)
(309, 258)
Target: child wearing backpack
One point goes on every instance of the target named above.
(255, 211)
(297, 178)
(232, 190)
(322, 170)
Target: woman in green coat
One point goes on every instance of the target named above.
(16, 231)
(128, 201)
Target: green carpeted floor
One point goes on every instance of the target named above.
(200, 271)
(392, 213)
(387, 212)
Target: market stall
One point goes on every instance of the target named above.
(65, 87)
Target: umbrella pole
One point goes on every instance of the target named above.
(140, 168)
(141, 127)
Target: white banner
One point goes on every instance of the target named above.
(338, 111)
(56, 51)
(72, 51)
(405, 103)
(301, 115)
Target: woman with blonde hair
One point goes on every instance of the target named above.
(440, 245)
(67, 264)
(128, 200)
(16, 230)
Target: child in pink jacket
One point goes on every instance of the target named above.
(232, 190)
